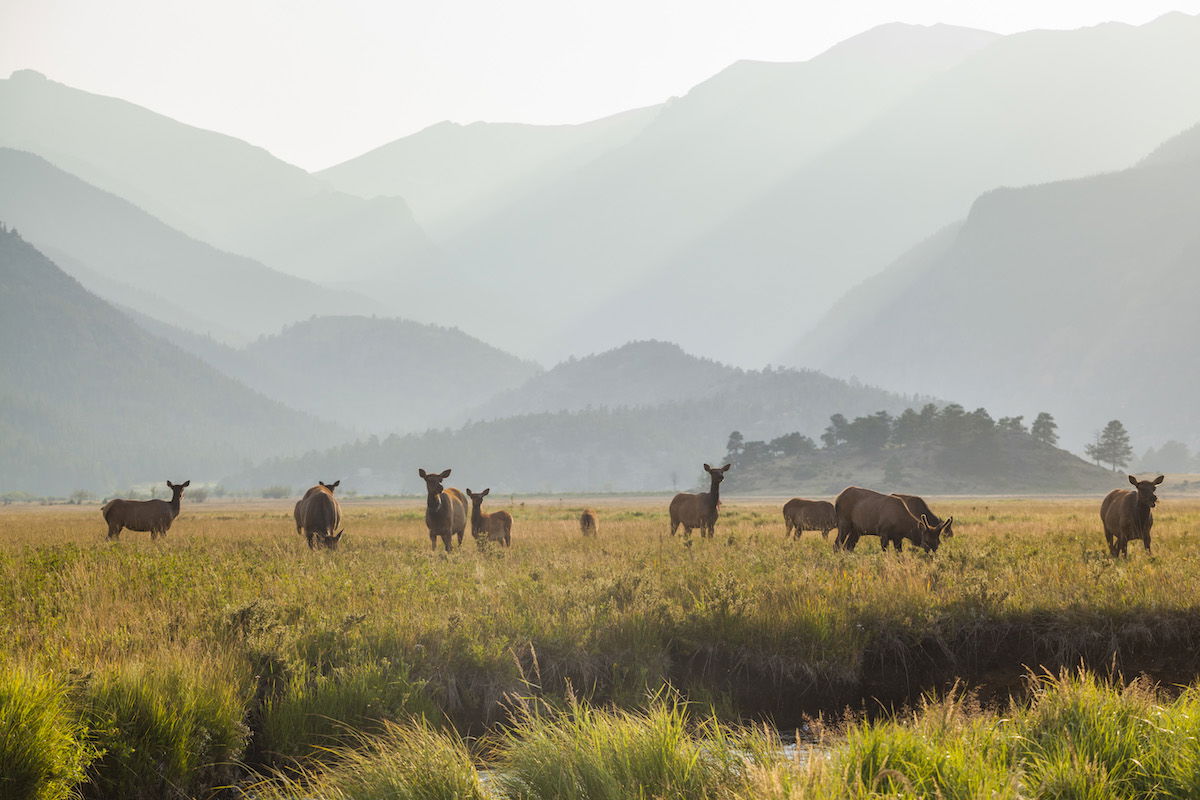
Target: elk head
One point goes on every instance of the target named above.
(931, 535)
(331, 486)
(433, 480)
(177, 488)
(717, 473)
(1145, 490)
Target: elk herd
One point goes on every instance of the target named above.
(856, 512)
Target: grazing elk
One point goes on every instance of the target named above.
(445, 509)
(699, 510)
(155, 516)
(917, 506)
(1126, 515)
(808, 515)
(494, 527)
(864, 512)
(589, 525)
(318, 515)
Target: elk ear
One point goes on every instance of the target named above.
(707, 468)
(485, 491)
(1133, 480)
(469, 492)
(170, 485)
(338, 538)
(336, 484)
(421, 472)
(185, 484)
(445, 474)
(726, 468)
(1159, 479)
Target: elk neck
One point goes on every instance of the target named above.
(433, 502)
(714, 492)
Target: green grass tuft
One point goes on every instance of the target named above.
(43, 748)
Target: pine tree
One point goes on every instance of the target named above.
(1045, 429)
(1111, 446)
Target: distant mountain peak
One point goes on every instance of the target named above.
(27, 75)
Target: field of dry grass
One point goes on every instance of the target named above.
(292, 643)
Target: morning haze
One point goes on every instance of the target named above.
(920, 213)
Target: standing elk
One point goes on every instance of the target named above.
(864, 512)
(155, 516)
(589, 525)
(808, 515)
(318, 515)
(917, 506)
(1126, 515)
(494, 527)
(445, 509)
(699, 510)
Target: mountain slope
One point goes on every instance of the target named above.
(213, 187)
(113, 247)
(598, 229)
(644, 448)
(1076, 296)
(90, 400)
(454, 175)
(1028, 108)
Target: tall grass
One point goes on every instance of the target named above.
(411, 761)
(163, 732)
(43, 746)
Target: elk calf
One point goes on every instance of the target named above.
(699, 510)
(1126, 515)
(494, 527)
(808, 515)
(588, 524)
(318, 515)
(445, 509)
(154, 516)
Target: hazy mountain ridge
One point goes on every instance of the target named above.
(374, 375)
(140, 260)
(214, 187)
(1027, 108)
(1099, 272)
(645, 448)
(90, 400)
(453, 175)
(591, 233)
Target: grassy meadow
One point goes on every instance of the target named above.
(230, 650)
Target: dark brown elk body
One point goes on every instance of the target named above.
(808, 515)
(1126, 515)
(318, 515)
(154, 516)
(494, 527)
(699, 510)
(589, 525)
(918, 507)
(864, 512)
(445, 509)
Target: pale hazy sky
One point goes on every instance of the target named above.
(317, 82)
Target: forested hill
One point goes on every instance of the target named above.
(617, 448)
(89, 400)
(937, 451)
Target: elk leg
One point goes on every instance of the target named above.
(898, 544)
(1146, 541)
(1112, 543)
(674, 526)
(446, 541)
(433, 541)
(852, 540)
(460, 538)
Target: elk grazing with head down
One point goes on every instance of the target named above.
(154, 516)
(445, 509)
(589, 525)
(918, 507)
(864, 512)
(808, 515)
(1126, 515)
(699, 510)
(494, 527)
(318, 515)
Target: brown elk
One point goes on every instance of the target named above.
(589, 525)
(445, 509)
(494, 527)
(318, 515)
(154, 516)
(1126, 515)
(917, 506)
(864, 512)
(808, 515)
(699, 510)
